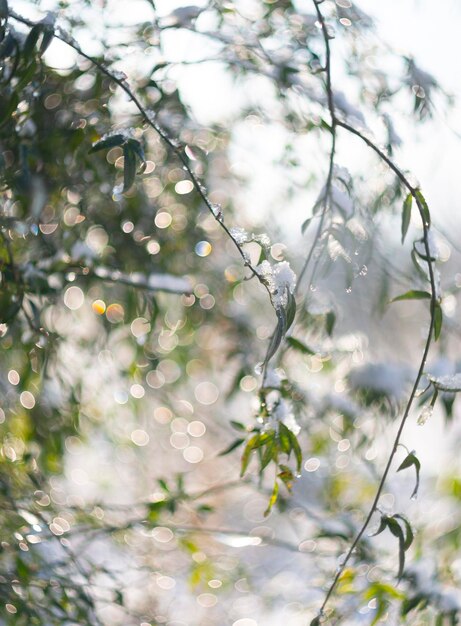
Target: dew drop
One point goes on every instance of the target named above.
(313, 288)
(258, 368)
(363, 271)
(414, 497)
(348, 289)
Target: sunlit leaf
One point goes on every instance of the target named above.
(272, 499)
(413, 295)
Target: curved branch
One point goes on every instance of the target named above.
(433, 304)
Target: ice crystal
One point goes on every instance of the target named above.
(426, 413)
(240, 235)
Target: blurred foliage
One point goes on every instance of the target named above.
(137, 302)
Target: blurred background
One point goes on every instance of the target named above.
(133, 333)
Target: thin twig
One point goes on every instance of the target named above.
(414, 192)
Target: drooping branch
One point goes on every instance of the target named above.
(414, 191)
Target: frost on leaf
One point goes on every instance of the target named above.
(272, 379)
(240, 235)
(447, 383)
(279, 279)
(282, 412)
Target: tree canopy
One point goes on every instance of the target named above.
(227, 313)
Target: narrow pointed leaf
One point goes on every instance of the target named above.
(382, 526)
(409, 536)
(299, 346)
(406, 215)
(397, 531)
(251, 444)
(235, 444)
(422, 205)
(438, 319)
(296, 449)
(31, 40)
(284, 438)
(109, 142)
(413, 294)
(330, 322)
(409, 461)
(273, 499)
(290, 310)
(3, 9)
(277, 335)
(129, 168)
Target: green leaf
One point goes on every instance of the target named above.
(284, 438)
(48, 34)
(397, 531)
(290, 310)
(235, 444)
(286, 476)
(163, 485)
(3, 9)
(406, 215)
(108, 142)
(277, 335)
(382, 526)
(409, 461)
(269, 454)
(315, 621)
(299, 346)
(155, 509)
(238, 425)
(412, 603)
(419, 269)
(31, 40)
(422, 205)
(273, 499)
(413, 295)
(330, 322)
(137, 149)
(253, 442)
(129, 167)
(408, 529)
(438, 319)
(296, 449)
(306, 224)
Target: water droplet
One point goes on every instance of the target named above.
(356, 252)
(363, 271)
(414, 496)
(313, 287)
(348, 289)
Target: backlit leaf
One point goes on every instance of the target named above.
(413, 295)
(406, 215)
